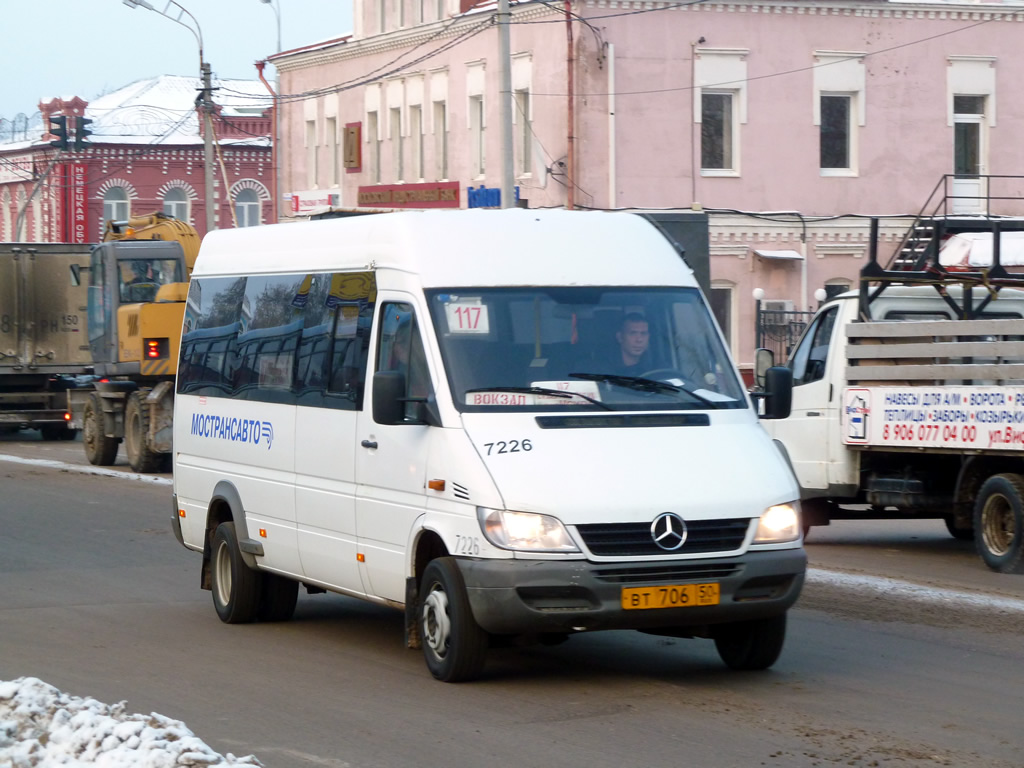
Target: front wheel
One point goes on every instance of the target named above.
(99, 449)
(751, 645)
(454, 645)
(999, 523)
(236, 587)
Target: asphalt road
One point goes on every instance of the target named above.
(922, 669)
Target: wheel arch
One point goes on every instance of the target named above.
(427, 545)
(225, 506)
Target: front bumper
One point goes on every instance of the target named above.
(540, 596)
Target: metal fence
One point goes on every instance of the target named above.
(779, 330)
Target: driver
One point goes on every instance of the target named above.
(633, 338)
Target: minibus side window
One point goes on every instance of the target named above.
(208, 355)
(401, 348)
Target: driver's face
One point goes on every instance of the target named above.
(634, 338)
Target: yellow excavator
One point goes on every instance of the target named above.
(138, 284)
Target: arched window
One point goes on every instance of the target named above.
(116, 206)
(247, 208)
(176, 203)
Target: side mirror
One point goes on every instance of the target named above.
(778, 394)
(76, 274)
(388, 394)
(763, 360)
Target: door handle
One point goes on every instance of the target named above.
(814, 413)
(369, 443)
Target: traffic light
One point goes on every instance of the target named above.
(59, 128)
(81, 132)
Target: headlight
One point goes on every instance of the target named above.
(524, 530)
(779, 523)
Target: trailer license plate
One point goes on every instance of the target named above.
(669, 596)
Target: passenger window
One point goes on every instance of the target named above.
(401, 349)
(208, 356)
(811, 355)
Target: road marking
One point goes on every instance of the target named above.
(85, 470)
(889, 588)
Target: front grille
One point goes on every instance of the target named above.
(667, 574)
(635, 540)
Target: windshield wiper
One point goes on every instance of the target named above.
(642, 385)
(543, 391)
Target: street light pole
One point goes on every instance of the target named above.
(206, 109)
(275, 150)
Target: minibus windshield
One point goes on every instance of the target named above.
(586, 348)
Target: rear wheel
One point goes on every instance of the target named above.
(99, 449)
(136, 428)
(236, 587)
(454, 645)
(751, 645)
(57, 432)
(999, 523)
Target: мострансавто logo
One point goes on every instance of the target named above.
(234, 429)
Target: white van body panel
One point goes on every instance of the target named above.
(635, 474)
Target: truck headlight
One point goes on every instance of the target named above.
(779, 523)
(524, 530)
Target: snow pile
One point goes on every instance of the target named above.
(41, 727)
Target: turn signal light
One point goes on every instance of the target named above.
(67, 416)
(435, 485)
(181, 513)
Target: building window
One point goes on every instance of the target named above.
(247, 208)
(477, 132)
(441, 139)
(416, 142)
(312, 156)
(717, 132)
(373, 139)
(836, 131)
(115, 204)
(397, 158)
(176, 203)
(382, 9)
(331, 140)
(720, 300)
(440, 9)
(524, 132)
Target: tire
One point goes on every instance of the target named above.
(999, 523)
(454, 645)
(236, 587)
(278, 598)
(57, 432)
(99, 449)
(751, 645)
(960, 534)
(136, 427)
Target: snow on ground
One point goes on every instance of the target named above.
(40, 727)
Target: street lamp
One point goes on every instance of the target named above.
(277, 13)
(175, 11)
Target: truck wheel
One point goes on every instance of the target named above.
(751, 645)
(278, 598)
(236, 587)
(960, 534)
(999, 523)
(454, 645)
(99, 449)
(57, 432)
(136, 427)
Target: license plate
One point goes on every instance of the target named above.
(669, 596)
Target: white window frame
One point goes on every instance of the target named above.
(721, 71)
(180, 207)
(841, 73)
(730, 166)
(248, 212)
(116, 208)
(850, 169)
(312, 155)
(441, 140)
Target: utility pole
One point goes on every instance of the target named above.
(505, 57)
(207, 116)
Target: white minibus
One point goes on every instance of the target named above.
(509, 424)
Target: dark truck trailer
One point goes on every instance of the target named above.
(44, 344)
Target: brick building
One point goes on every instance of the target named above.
(145, 154)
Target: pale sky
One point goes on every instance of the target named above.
(89, 47)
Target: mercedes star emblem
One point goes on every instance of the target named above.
(668, 531)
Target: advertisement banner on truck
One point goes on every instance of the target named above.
(957, 417)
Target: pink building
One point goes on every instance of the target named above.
(789, 122)
(144, 154)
